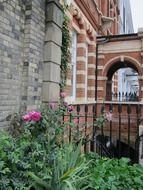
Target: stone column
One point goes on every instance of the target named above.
(52, 51)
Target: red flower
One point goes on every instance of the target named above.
(26, 118)
(62, 94)
(52, 105)
(109, 116)
(35, 116)
(70, 108)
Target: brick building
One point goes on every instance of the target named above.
(30, 50)
(88, 19)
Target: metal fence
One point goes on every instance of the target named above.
(118, 138)
(125, 97)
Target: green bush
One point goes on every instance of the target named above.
(34, 159)
(113, 174)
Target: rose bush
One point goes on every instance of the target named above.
(32, 116)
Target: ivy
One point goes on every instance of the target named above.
(65, 50)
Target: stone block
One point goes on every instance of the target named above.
(54, 13)
(53, 33)
(50, 92)
(140, 32)
(52, 53)
(51, 72)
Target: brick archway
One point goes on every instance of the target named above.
(131, 62)
(115, 52)
(117, 63)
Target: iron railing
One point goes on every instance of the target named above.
(118, 138)
(125, 97)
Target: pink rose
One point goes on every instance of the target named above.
(62, 94)
(52, 105)
(26, 118)
(75, 121)
(35, 116)
(65, 104)
(109, 116)
(70, 108)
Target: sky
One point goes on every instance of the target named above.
(137, 13)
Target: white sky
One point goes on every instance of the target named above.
(137, 13)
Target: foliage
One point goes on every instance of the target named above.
(35, 160)
(65, 50)
(112, 174)
(68, 171)
(102, 119)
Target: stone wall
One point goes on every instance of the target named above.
(24, 44)
(34, 33)
(12, 19)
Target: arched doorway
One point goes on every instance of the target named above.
(122, 82)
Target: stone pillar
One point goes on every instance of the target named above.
(52, 51)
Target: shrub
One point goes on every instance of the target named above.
(33, 159)
(112, 174)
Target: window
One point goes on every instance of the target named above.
(73, 65)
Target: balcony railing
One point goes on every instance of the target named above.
(125, 97)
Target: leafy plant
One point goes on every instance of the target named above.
(68, 171)
(112, 174)
(33, 159)
(65, 50)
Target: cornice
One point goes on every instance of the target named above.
(89, 12)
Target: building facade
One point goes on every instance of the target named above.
(30, 50)
(126, 22)
(88, 19)
(30, 34)
(128, 78)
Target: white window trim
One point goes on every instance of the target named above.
(73, 65)
(86, 72)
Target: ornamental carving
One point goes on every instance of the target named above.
(90, 10)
